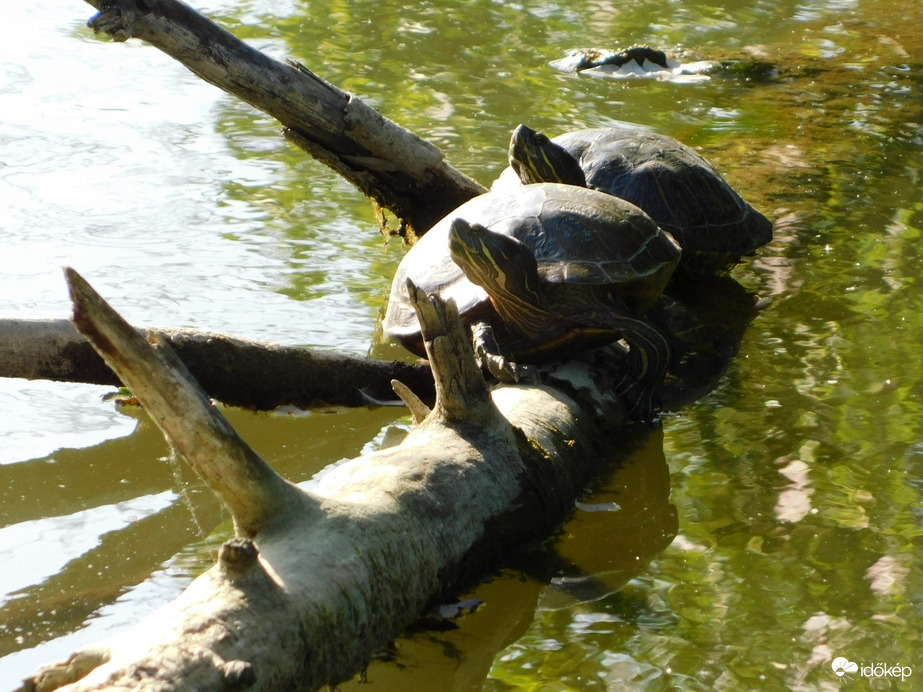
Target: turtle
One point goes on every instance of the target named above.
(580, 59)
(679, 189)
(549, 269)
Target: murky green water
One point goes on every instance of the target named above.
(793, 489)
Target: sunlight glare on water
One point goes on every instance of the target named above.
(41, 548)
(126, 183)
(41, 417)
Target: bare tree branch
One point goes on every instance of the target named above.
(238, 372)
(392, 166)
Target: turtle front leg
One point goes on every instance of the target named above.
(648, 359)
(493, 358)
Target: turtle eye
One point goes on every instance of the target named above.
(540, 139)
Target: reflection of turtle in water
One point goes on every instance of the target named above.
(551, 269)
(679, 189)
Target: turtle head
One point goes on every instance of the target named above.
(499, 264)
(536, 159)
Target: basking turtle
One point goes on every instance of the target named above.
(645, 61)
(551, 269)
(679, 189)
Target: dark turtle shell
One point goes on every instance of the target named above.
(679, 189)
(578, 236)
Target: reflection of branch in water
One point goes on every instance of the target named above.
(595, 554)
(705, 320)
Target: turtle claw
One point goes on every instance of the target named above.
(491, 357)
(508, 372)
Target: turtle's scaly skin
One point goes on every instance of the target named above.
(584, 268)
(678, 188)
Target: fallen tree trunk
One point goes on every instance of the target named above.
(395, 168)
(317, 581)
(238, 372)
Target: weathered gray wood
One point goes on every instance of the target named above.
(238, 372)
(253, 492)
(392, 166)
(319, 580)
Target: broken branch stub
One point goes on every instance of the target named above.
(461, 392)
(253, 492)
